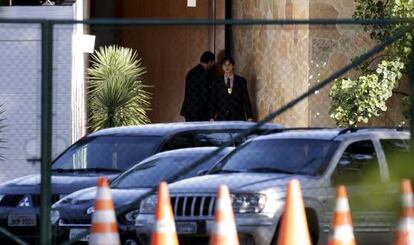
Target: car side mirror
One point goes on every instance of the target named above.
(202, 172)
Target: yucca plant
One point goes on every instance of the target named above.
(117, 95)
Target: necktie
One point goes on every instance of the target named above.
(228, 83)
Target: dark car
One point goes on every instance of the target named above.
(107, 153)
(72, 214)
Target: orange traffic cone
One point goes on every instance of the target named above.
(224, 230)
(164, 232)
(342, 232)
(104, 229)
(294, 227)
(405, 230)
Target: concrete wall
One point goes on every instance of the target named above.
(20, 87)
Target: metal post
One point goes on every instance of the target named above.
(46, 131)
(227, 28)
(411, 68)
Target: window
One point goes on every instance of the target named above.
(197, 139)
(398, 158)
(110, 152)
(395, 147)
(358, 165)
(149, 173)
(292, 156)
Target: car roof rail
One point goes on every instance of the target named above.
(308, 128)
(353, 130)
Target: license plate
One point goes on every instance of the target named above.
(73, 233)
(21, 220)
(186, 227)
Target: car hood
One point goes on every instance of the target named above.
(240, 182)
(87, 196)
(61, 184)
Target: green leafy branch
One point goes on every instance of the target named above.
(358, 100)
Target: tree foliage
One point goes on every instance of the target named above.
(117, 95)
(379, 76)
(357, 100)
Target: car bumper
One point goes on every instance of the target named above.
(126, 232)
(252, 229)
(21, 230)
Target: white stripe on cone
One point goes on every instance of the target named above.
(342, 205)
(343, 233)
(406, 224)
(104, 238)
(407, 200)
(224, 228)
(103, 194)
(222, 204)
(164, 226)
(103, 216)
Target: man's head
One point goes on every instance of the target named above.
(207, 60)
(228, 65)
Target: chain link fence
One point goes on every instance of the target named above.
(53, 94)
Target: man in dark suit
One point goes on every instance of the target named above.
(229, 97)
(196, 104)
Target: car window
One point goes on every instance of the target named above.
(197, 139)
(110, 152)
(398, 158)
(395, 146)
(358, 165)
(292, 156)
(148, 174)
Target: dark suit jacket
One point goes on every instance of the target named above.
(235, 106)
(196, 104)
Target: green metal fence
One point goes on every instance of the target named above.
(47, 32)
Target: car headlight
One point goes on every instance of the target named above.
(131, 216)
(248, 203)
(54, 216)
(147, 205)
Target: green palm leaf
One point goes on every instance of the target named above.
(117, 95)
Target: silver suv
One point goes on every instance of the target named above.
(257, 174)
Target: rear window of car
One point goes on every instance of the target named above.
(398, 158)
(109, 152)
(197, 139)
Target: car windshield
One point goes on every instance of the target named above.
(149, 173)
(106, 153)
(289, 156)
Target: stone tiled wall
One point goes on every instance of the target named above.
(331, 48)
(274, 60)
(282, 62)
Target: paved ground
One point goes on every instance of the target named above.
(369, 239)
